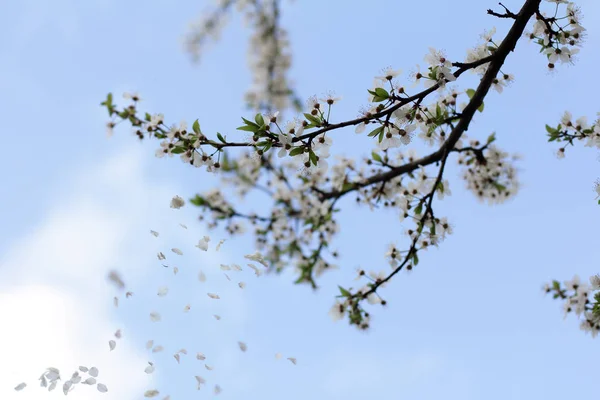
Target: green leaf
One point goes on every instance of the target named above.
(312, 156)
(549, 129)
(376, 156)
(259, 119)
(248, 128)
(347, 186)
(470, 92)
(148, 117)
(491, 138)
(415, 259)
(419, 209)
(312, 118)
(480, 108)
(250, 122)
(381, 135)
(178, 150)
(196, 127)
(198, 201)
(381, 92)
(296, 151)
(376, 131)
(221, 137)
(344, 292)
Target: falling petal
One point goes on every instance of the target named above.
(177, 202)
(213, 296)
(236, 267)
(203, 243)
(183, 351)
(149, 344)
(175, 270)
(93, 372)
(151, 393)
(154, 316)
(150, 368)
(102, 388)
(83, 369)
(115, 279)
(90, 381)
(243, 346)
(112, 344)
(208, 367)
(200, 381)
(217, 389)
(66, 387)
(257, 257)
(201, 277)
(162, 291)
(292, 360)
(116, 301)
(228, 278)
(183, 226)
(75, 378)
(256, 270)
(220, 243)
(118, 334)
(176, 357)
(225, 267)
(128, 294)
(52, 386)
(187, 308)
(167, 397)
(177, 251)
(153, 233)
(242, 285)
(278, 356)
(200, 356)
(157, 349)
(161, 256)
(217, 317)
(20, 386)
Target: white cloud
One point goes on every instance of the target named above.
(55, 305)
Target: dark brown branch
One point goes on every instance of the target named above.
(508, 44)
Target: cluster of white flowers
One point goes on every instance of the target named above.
(577, 297)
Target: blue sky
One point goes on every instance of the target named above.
(469, 323)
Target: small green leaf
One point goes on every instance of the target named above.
(148, 117)
(296, 151)
(419, 209)
(375, 131)
(549, 129)
(344, 292)
(312, 156)
(196, 127)
(259, 119)
(198, 201)
(221, 137)
(376, 156)
(480, 108)
(415, 259)
(381, 92)
(470, 92)
(312, 119)
(248, 128)
(491, 138)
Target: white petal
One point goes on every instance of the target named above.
(149, 369)
(151, 393)
(162, 291)
(208, 367)
(278, 356)
(227, 276)
(115, 278)
(200, 380)
(242, 285)
(236, 267)
(201, 277)
(183, 226)
(116, 301)
(292, 359)
(154, 316)
(220, 243)
(213, 296)
(225, 267)
(112, 344)
(20, 386)
(167, 397)
(217, 317)
(52, 386)
(243, 346)
(43, 381)
(149, 344)
(217, 389)
(83, 369)
(128, 294)
(102, 388)
(177, 251)
(175, 270)
(187, 308)
(93, 372)
(157, 349)
(90, 381)
(161, 256)
(183, 351)
(256, 270)
(118, 334)
(154, 233)
(200, 356)
(67, 386)
(176, 357)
